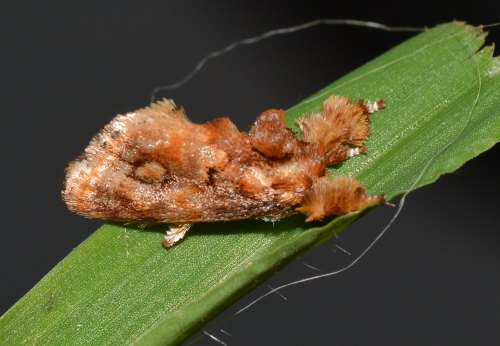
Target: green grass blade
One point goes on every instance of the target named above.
(120, 286)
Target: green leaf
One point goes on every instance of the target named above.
(120, 286)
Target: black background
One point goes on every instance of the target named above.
(68, 67)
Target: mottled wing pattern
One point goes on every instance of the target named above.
(155, 166)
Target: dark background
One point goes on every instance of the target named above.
(68, 67)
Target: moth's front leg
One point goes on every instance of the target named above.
(340, 129)
(335, 196)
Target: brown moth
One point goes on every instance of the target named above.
(155, 166)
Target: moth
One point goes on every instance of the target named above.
(155, 166)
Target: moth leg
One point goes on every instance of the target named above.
(340, 128)
(175, 233)
(371, 107)
(374, 106)
(335, 196)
